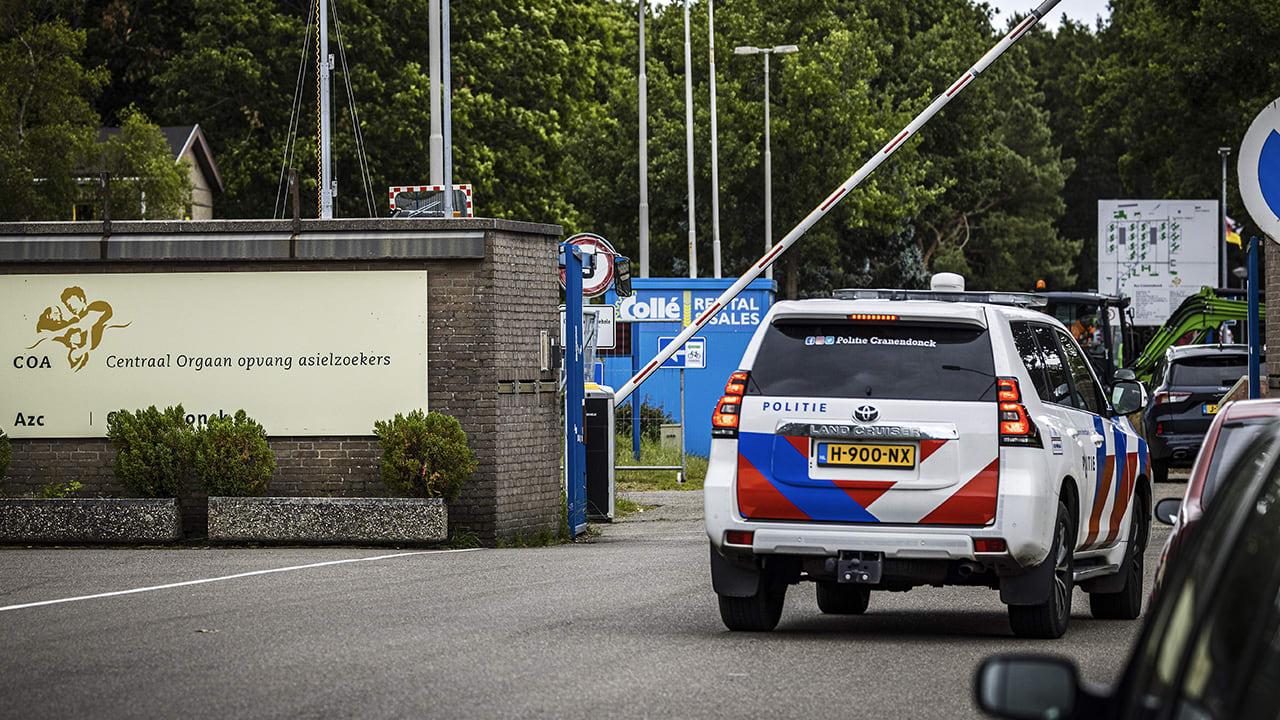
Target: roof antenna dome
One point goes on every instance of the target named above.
(947, 282)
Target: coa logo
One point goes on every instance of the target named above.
(866, 414)
(76, 323)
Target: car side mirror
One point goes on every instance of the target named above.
(622, 276)
(1125, 374)
(1027, 687)
(1128, 396)
(1167, 510)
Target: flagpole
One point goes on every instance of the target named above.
(1222, 222)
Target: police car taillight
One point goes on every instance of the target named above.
(1016, 427)
(724, 421)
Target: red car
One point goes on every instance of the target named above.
(1232, 429)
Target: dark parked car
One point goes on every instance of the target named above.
(1185, 388)
(1210, 647)
(1233, 428)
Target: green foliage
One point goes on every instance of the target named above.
(56, 489)
(424, 455)
(6, 453)
(463, 538)
(564, 532)
(143, 171)
(153, 450)
(47, 127)
(232, 457)
(1176, 81)
(622, 507)
(652, 453)
(1002, 185)
(652, 418)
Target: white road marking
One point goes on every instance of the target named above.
(228, 577)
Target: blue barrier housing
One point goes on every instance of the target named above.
(661, 307)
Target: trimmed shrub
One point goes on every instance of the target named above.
(6, 453)
(153, 450)
(424, 455)
(232, 458)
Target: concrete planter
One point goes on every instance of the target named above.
(90, 520)
(400, 521)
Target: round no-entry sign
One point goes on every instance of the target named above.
(1258, 170)
(600, 278)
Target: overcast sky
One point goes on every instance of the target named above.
(1085, 11)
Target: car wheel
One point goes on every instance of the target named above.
(1126, 604)
(843, 599)
(758, 613)
(1160, 470)
(1049, 619)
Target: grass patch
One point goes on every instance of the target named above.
(622, 507)
(652, 453)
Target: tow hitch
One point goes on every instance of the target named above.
(853, 566)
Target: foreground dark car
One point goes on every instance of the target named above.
(1186, 386)
(1210, 647)
(1235, 426)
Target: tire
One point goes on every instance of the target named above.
(1126, 604)
(1049, 619)
(758, 613)
(1159, 470)
(847, 599)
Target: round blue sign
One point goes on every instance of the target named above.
(1258, 170)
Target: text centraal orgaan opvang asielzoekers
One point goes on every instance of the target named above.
(247, 362)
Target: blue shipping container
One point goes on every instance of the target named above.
(662, 307)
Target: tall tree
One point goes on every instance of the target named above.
(47, 126)
(1179, 79)
(150, 185)
(1061, 65)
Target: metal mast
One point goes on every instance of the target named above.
(688, 121)
(644, 156)
(325, 62)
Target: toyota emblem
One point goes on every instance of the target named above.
(866, 414)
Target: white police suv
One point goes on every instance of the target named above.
(889, 439)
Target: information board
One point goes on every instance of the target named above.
(1157, 252)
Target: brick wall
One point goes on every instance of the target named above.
(485, 317)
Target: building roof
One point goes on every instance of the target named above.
(180, 139)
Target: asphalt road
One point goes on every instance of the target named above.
(623, 625)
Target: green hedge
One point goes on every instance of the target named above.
(153, 450)
(424, 455)
(232, 457)
(157, 452)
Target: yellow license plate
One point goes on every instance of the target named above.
(1210, 409)
(866, 455)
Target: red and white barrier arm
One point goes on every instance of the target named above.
(854, 180)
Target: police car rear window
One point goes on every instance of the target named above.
(898, 360)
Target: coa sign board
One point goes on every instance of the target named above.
(304, 353)
(1157, 252)
(1258, 170)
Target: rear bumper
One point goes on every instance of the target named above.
(1025, 514)
(1177, 448)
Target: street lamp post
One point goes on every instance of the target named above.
(1222, 221)
(768, 158)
